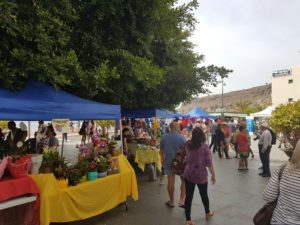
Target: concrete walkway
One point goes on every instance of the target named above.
(235, 197)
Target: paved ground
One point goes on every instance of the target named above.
(235, 197)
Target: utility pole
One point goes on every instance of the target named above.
(222, 109)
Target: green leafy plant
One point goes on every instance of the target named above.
(137, 59)
(60, 171)
(73, 175)
(285, 122)
(51, 160)
(82, 166)
(102, 164)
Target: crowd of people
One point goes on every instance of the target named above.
(17, 138)
(198, 158)
(193, 137)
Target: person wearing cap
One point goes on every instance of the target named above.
(169, 145)
(264, 146)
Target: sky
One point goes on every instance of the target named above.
(252, 37)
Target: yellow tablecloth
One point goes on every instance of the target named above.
(87, 199)
(144, 156)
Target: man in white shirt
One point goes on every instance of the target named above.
(265, 145)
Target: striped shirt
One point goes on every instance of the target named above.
(287, 210)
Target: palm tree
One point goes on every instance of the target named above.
(242, 106)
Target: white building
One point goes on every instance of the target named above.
(285, 86)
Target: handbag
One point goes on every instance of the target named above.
(264, 215)
(177, 165)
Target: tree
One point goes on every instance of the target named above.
(133, 53)
(286, 122)
(242, 106)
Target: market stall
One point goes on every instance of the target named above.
(87, 199)
(266, 113)
(82, 199)
(146, 151)
(148, 156)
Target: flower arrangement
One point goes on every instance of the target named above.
(85, 151)
(83, 165)
(93, 166)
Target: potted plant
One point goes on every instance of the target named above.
(92, 171)
(83, 166)
(102, 166)
(60, 173)
(73, 175)
(51, 159)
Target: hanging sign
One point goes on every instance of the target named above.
(61, 125)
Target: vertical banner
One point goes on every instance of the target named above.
(61, 125)
(250, 124)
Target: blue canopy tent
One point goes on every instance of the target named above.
(148, 113)
(199, 113)
(40, 101)
(185, 116)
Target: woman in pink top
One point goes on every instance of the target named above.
(198, 157)
(242, 142)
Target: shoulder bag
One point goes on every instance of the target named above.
(264, 215)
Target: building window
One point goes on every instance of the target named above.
(290, 81)
(290, 99)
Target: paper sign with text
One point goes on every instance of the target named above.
(61, 125)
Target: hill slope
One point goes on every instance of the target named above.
(256, 96)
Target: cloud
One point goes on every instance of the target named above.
(252, 37)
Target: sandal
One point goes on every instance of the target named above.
(169, 205)
(181, 206)
(209, 215)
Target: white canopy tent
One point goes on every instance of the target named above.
(264, 113)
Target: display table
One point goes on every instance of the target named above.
(87, 199)
(147, 155)
(19, 201)
(11, 188)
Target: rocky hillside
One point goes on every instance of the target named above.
(256, 96)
